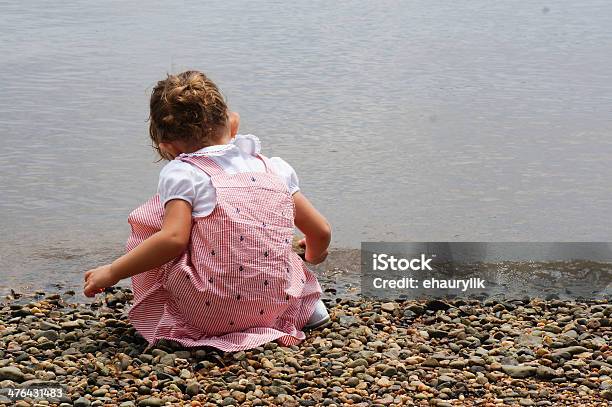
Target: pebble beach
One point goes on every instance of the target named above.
(420, 353)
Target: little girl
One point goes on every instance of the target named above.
(210, 255)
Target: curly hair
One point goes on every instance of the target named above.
(188, 107)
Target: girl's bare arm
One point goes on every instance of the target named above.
(156, 251)
(315, 227)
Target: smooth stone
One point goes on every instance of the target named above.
(553, 328)
(519, 372)
(46, 325)
(572, 350)
(384, 382)
(70, 325)
(151, 402)
(168, 359)
(476, 360)
(389, 371)
(544, 372)
(239, 396)
(290, 361)
(431, 362)
(457, 364)
(12, 373)
(347, 321)
(529, 340)
(182, 354)
(229, 401)
(446, 379)
(437, 333)
(388, 306)
(352, 382)
(193, 389)
(437, 305)
(276, 390)
(358, 362)
(82, 402)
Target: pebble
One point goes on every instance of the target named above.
(438, 353)
(151, 402)
(193, 388)
(388, 306)
(82, 402)
(46, 325)
(70, 325)
(12, 373)
(544, 372)
(519, 372)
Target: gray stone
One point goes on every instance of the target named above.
(544, 372)
(276, 390)
(572, 350)
(70, 325)
(347, 320)
(519, 372)
(229, 401)
(11, 373)
(389, 371)
(352, 381)
(151, 402)
(193, 389)
(183, 354)
(82, 402)
(431, 362)
(241, 355)
(358, 362)
(388, 306)
(529, 340)
(45, 325)
(168, 359)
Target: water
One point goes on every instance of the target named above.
(419, 121)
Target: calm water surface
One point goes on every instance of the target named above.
(424, 121)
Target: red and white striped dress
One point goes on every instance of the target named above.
(239, 284)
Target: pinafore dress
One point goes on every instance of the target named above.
(239, 284)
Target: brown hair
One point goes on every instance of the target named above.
(187, 107)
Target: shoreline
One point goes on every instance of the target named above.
(441, 353)
(341, 276)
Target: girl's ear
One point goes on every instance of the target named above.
(234, 120)
(168, 150)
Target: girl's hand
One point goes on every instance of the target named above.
(96, 280)
(308, 256)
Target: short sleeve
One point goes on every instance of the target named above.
(287, 173)
(176, 181)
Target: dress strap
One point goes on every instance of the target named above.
(206, 164)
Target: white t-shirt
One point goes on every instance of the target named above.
(181, 180)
